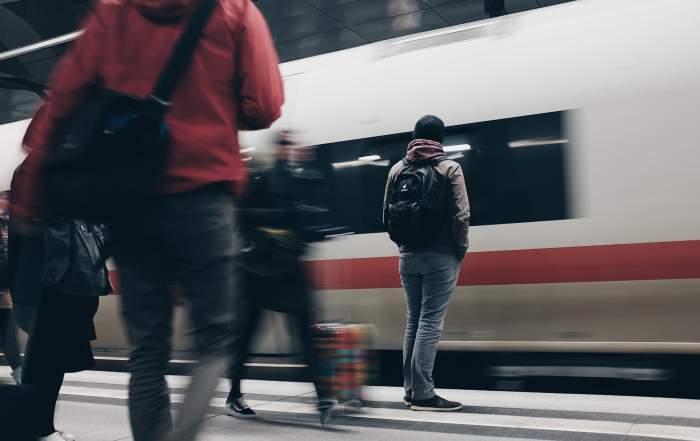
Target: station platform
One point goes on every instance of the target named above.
(92, 406)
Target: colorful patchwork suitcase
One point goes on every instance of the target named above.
(345, 357)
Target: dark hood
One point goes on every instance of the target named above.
(423, 150)
(165, 8)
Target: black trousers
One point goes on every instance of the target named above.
(59, 343)
(288, 294)
(189, 239)
(47, 380)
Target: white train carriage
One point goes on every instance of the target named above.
(576, 126)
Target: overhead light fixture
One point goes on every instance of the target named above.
(457, 148)
(248, 149)
(362, 160)
(534, 142)
(348, 164)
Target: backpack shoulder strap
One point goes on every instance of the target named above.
(436, 161)
(181, 55)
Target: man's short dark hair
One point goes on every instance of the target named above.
(430, 127)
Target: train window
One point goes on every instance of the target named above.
(514, 171)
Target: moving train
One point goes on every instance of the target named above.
(577, 129)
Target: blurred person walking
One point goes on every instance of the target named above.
(276, 231)
(426, 211)
(186, 232)
(8, 329)
(58, 321)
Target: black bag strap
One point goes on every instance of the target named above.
(181, 55)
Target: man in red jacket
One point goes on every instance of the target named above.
(187, 233)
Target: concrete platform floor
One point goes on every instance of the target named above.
(92, 406)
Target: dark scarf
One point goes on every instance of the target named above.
(423, 150)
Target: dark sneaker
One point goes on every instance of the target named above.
(353, 406)
(436, 404)
(325, 408)
(407, 400)
(239, 409)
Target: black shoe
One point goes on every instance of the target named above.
(239, 409)
(407, 400)
(436, 404)
(325, 407)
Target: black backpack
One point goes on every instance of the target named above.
(271, 241)
(417, 209)
(75, 260)
(103, 165)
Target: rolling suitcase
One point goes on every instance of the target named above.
(345, 360)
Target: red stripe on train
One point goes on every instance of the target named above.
(601, 263)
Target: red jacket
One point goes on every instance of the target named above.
(232, 83)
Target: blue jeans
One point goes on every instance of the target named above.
(429, 281)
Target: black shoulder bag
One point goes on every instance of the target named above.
(103, 165)
(75, 260)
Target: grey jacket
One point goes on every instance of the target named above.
(453, 238)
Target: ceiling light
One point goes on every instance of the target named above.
(348, 164)
(534, 142)
(457, 148)
(362, 160)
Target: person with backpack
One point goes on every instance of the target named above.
(146, 108)
(426, 212)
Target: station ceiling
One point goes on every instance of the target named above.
(300, 28)
(304, 28)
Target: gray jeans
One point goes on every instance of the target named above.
(429, 280)
(189, 239)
